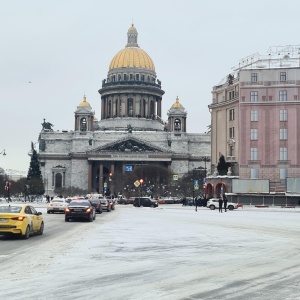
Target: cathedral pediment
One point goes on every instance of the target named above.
(129, 145)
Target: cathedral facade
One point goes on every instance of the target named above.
(104, 155)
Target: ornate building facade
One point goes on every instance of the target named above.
(102, 155)
(255, 117)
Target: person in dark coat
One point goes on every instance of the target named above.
(197, 203)
(220, 203)
(225, 200)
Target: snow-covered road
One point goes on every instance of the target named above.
(168, 253)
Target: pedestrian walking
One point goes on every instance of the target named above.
(220, 203)
(197, 203)
(225, 200)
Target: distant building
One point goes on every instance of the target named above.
(14, 174)
(255, 117)
(131, 132)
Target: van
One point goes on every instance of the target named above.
(144, 201)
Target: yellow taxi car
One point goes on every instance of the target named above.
(22, 220)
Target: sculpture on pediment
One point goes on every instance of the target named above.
(130, 146)
(129, 128)
(47, 126)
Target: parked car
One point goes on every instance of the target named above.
(80, 209)
(145, 201)
(96, 202)
(213, 203)
(57, 205)
(21, 220)
(169, 200)
(105, 204)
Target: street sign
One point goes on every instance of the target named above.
(175, 177)
(196, 181)
(136, 183)
(196, 186)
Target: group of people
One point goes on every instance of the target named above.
(222, 200)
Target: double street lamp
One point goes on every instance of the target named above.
(3, 152)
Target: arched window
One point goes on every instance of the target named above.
(109, 108)
(177, 125)
(144, 108)
(119, 77)
(130, 107)
(116, 107)
(83, 124)
(58, 180)
(151, 108)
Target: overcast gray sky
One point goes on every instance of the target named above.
(54, 52)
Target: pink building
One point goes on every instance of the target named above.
(255, 117)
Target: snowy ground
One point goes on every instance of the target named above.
(167, 253)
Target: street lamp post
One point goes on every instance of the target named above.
(141, 190)
(3, 152)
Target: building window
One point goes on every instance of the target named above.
(283, 134)
(283, 95)
(253, 154)
(58, 180)
(283, 115)
(144, 108)
(119, 77)
(137, 77)
(231, 114)
(131, 76)
(253, 77)
(253, 96)
(231, 132)
(130, 107)
(282, 76)
(283, 154)
(254, 173)
(125, 77)
(151, 108)
(254, 134)
(254, 115)
(283, 173)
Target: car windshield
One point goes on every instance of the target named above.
(79, 203)
(10, 209)
(103, 201)
(58, 200)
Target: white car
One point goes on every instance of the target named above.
(213, 203)
(57, 205)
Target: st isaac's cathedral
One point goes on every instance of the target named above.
(129, 140)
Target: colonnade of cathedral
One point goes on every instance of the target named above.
(143, 106)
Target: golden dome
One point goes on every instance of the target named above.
(132, 57)
(84, 102)
(132, 29)
(177, 104)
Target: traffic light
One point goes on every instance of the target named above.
(141, 181)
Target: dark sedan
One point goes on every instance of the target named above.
(97, 204)
(80, 209)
